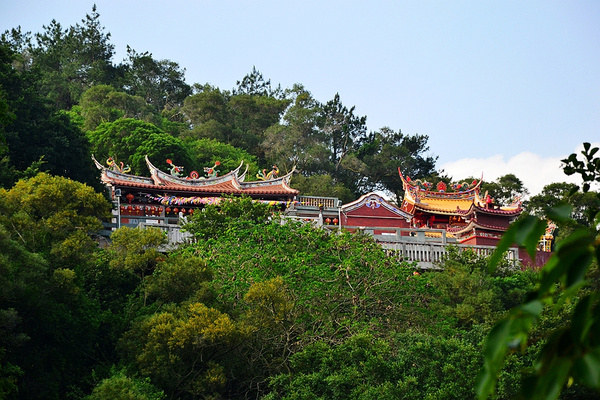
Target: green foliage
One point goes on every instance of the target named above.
(382, 153)
(180, 277)
(572, 352)
(232, 212)
(344, 281)
(72, 60)
(183, 349)
(31, 130)
(467, 292)
(161, 83)
(49, 327)
(129, 141)
(122, 387)
(136, 249)
(53, 214)
(103, 103)
(297, 141)
(506, 189)
(322, 185)
(588, 168)
(206, 151)
(409, 366)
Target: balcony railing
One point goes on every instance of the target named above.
(424, 247)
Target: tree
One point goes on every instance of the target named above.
(53, 215)
(136, 249)
(551, 196)
(35, 136)
(571, 353)
(129, 141)
(103, 103)
(409, 366)
(73, 60)
(185, 349)
(51, 327)
(161, 83)
(341, 129)
(506, 189)
(208, 113)
(180, 277)
(254, 84)
(119, 386)
(297, 141)
(322, 185)
(382, 153)
(206, 152)
(251, 116)
(231, 211)
(467, 292)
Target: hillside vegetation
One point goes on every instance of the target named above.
(257, 308)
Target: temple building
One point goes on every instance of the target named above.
(418, 229)
(371, 211)
(165, 197)
(462, 213)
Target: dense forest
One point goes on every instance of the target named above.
(257, 308)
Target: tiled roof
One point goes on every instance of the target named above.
(229, 183)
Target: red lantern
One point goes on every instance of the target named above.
(168, 209)
(335, 221)
(129, 197)
(328, 221)
(191, 211)
(176, 210)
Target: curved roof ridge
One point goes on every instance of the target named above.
(163, 179)
(406, 184)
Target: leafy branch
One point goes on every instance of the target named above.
(571, 354)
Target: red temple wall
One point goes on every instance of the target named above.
(374, 217)
(493, 220)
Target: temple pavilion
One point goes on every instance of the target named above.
(462, 212)
(164, 197)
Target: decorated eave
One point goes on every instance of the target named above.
(374, 200)
(230, 183)
(458, 231)
(486, 206)
(421, 190)
(117, 178)
(282, 182)
(419, 197)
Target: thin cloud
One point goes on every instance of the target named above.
(532, 169)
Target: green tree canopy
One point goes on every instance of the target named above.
(53, 214)
(33, 132)
(72, 60)
(103, 103)
(129, 141)
(161, 83)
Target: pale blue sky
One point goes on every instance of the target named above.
(491, 83)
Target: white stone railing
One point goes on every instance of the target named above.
(174, 233)
(430, 255)
(413, 246)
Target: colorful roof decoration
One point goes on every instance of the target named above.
(418, 197)
(230, 183)
(463, 213)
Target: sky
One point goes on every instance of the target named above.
(497, 86)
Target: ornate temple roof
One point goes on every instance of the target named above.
(230, 183)
(418, 196)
